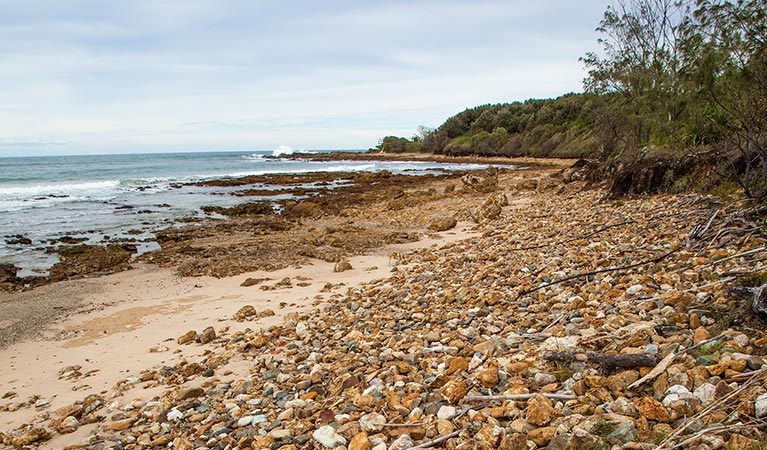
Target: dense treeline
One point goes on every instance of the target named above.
(685, 78)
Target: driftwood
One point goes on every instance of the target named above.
(608, 362)
(483, 398)
(597, 272)
(438, 440)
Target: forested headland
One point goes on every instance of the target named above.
(676, 98)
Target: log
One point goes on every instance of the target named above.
(608, 362)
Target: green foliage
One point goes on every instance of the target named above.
(539, 127)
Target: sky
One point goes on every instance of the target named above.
(123, 76)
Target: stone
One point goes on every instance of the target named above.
(328, 438)
(488, 377)
(514, 441)
(442, 224)
(119, 425)
(446, 412)
(192, 392)
(699, 335)
(372, 422)
(245, 421)
(760, 406)
(652, 409)
(403, 442)
(455, 390)
(342, 266)
(301, 330)
(208, 335)
(70, 424)
(705, 393)
(187, 338)
(245, 312)
(360, 442)
(539, 411)
(542, 436)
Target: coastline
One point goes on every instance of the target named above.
(459, 343)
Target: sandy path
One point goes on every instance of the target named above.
(148, 307)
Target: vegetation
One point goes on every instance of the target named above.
(678, 85)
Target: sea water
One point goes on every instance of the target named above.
(105, 198)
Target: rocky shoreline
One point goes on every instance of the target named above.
(567, 321)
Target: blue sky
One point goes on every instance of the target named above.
(80, 76)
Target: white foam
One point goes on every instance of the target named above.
(282, 150)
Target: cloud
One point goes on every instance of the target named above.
(128, 75)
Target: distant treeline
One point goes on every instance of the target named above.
(562, 127)
(674, 77)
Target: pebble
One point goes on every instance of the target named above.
(328, 437)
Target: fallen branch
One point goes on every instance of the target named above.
(401, 425)
(437, 440)
(609, 362)
(657, 370)
(514, 397)
(596, 272)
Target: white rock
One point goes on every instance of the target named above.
(740, 339)
(372, 423)
(635, 289)
(295, 404)
(542, 379)
(446, 412)
(705, 393)
(174, 415)
(760, 406)
(328, 437)
(301, 330)
(558, 344)
(402, 443)
(245, 421)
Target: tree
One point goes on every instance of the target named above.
(725, 47)
(641, 65)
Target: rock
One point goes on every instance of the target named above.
(442, 224)
(187, 338)
(245, 312)
(372, 423)
(700, 335)
(403, 442)
(539, 411)
(760, 406)
(208, 335)
(542, 436)
(119, 425)
(192, 392)
(245, 421)
(360, 442)
(488, 377)
(446, 412)
(705, 393)
(454, 390)
(301, 330)
(30, 436)
(342, 266)
(328, 438)
(652, 409)
(68, 425)
(514, 441)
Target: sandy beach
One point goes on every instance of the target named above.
(129, 321)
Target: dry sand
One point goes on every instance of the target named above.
(124, 316)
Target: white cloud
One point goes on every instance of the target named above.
(142, 74)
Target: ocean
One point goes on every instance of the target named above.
(106, 198)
